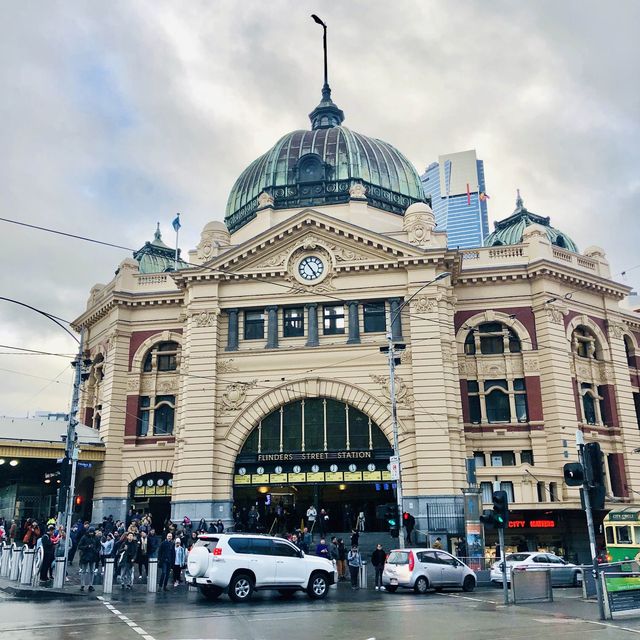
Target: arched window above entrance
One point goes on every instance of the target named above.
(315, 425)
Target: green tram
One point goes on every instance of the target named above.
(622, 534)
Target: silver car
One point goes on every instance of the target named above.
(562, 572)
(424, 569)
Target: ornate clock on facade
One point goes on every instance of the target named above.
(311, 268)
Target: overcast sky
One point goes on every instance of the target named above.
(115, 115)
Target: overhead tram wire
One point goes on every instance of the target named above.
(26, 352)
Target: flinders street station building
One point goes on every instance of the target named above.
(250, 373)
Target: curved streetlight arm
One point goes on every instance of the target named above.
(42, 313)
(440, 276)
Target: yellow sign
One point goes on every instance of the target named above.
(169, 488)
(161, 491)
(371, 476)
(297, 477)
(333, 476)
(315, 477)
(278, 477)
(352, 476)
(139, 491)
(255, 479)
(150, 491)
(241, 479)
(386, 475)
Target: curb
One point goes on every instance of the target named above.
(43, 594)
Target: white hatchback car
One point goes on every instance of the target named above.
(241, 563)
(424, 569)
(562, 572)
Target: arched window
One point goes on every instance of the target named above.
(591, 404)
(497, 401)
(157, 413)
(311, 168)
(163, 356)
(560, 242)
(314, 425)
(492, 338)
(585, 344)
(629, 351)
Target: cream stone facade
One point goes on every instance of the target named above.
(552, 323)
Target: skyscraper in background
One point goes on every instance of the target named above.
(455, 184)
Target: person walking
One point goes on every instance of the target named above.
(354, 560)
(180, 560)
(322, 551)
(342, 560)
(438, 543)
(334, 554)
(312, 514)
(166, 558)
(48, 554)
(143, 555)
(378, 558)
(89, 549)
(128, 555)
(361, 521)
(355, 538)
(409, 523)
(323, 523)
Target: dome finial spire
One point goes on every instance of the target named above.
(326, 114)
(157, 235)
(519, 201)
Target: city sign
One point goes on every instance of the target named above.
(532, 524)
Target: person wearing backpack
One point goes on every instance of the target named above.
(89, 548)
(354, 560)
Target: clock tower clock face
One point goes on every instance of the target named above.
(310, 268)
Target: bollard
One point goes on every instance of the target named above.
(152, 575)
(5, 563)
(59, 573)
(38, 559)
(16, 558)
(27, 566)
(363, 575)
(107, 581)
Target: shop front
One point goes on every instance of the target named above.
(318, 452)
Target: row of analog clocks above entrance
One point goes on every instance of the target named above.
(314, 468)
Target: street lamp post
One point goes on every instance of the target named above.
(391, 349)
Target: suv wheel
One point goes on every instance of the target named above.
(240, 587)
(421, 585)
(318, 586)
(211, 592)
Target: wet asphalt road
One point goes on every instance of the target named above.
(343, 615)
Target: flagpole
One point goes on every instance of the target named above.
(176, 226)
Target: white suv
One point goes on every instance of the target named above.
(240, 563)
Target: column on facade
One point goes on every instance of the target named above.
(195, 477)
(272, 327)
(354, 322)
(111, 491)
(437, 408)
(396, 319)
(232, 337)
(312, 324)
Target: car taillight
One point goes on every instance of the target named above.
(412, 561)
(217, 551)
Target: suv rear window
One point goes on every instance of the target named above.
(398, 557)
(207, 543)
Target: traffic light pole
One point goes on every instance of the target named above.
(394, 428)
(503, 564)
(590, 526)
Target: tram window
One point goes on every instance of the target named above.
(313, 425)
(292, 427)
(358, 430)
(609, 534)
(624, 535)
(271, 433)
(636, 534)
(336, 426)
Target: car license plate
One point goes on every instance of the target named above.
(394, 580)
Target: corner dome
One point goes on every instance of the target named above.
(319, 167)
(511, 229)
(157, 257)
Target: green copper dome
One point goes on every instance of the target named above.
(511, 229)
(319, 167)
(157, 257)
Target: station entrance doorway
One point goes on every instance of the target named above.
(318, 452)
(151, 493)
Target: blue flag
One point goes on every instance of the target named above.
(176, 223)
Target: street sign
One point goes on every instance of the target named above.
(394, 467)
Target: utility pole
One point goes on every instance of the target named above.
(590, 526)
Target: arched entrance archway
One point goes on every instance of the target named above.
(151, 493)
(315, 451)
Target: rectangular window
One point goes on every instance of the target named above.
(292, 427)
(293, 322)
(254, 325)
(478, 456)
(333, 320)
(336, 426)
(503, 459)
(358, 430)
(144, 406)
(507, 487)
(553, 491)
(487, 491)
(542, 496)
(313, 424)
(526, 457)
(374, 317)
(474, 401)
(636, 402)
(163, 415)
(167, 361)
(270, 433)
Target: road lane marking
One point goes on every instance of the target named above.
(130, 623)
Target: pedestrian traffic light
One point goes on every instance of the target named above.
(594, 474)
(500, 509)
(573, 474)
(393, 521)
